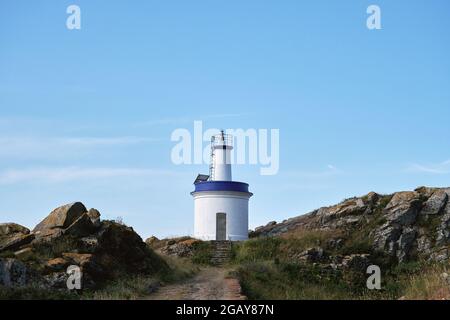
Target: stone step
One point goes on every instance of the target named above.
(221, 252)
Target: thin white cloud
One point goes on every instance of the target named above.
(330, 171)
(184, 120)
(64, 174)
(43, 146)
(439, 168)
(87, 141)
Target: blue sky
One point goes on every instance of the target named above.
(86, 115)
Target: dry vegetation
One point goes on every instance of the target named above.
(267, 270)
(432, 283)
(137, 287)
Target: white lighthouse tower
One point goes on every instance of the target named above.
(220, 204)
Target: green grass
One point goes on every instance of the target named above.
(292, 281)
(429, 225)
(202, 253)
(267, 280)
(255, 250)
(33, 292)
(137, 286)
(7, 254)
(125, 288)
(384, 200)
(278, 248)
(356, 246)
(428, 283)
(267, 269)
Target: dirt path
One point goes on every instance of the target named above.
(209, 284)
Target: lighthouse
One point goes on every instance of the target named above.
(220, 204)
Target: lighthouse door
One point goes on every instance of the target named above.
(221, 226)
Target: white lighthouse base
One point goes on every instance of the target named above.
(221, 215)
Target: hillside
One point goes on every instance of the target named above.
(33, 264)
(404, 225)
(325, 253)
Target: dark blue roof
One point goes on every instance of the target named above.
(221, 186)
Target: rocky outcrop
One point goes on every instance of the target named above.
(71, 218)
(81, 227)
(13, 236)
(12, 273)
(61, 217)
(15, 241)
(436, 202)
(396, 236)
(94, 215)
(403, 208)
(312, 255)
(71, 235)
(443, 230)
(403, 225)
(353, 262)
(181, 247)
(120, 248)
(7, 229)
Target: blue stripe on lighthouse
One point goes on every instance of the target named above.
(221, 186)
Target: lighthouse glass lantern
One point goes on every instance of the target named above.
(220, 204)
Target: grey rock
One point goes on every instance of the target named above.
(57, 264)
(151, 241)
(312, 255)
(89, 244)
(7, 229)
(350, 207)
(356, 262)
(56, 280)
(405, 243)
(425, 191)
(12, 273)
(61, 217)
(81, 227)
(178, 249)
(386, 237)
(440, 255)
(15, 241)
(436, 203)
(403, 208)
(443, 231)
(372, 198)
(47, 235)
(424, 245)
(94, 215)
